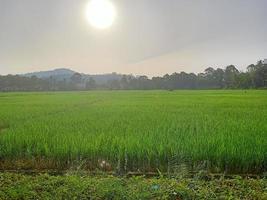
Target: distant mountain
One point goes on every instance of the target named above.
(61, 73)
(65, 74)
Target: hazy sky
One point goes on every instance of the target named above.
(150, 37)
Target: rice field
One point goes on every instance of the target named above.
(224, 131)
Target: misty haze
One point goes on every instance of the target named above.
(123, 99)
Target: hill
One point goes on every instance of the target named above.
(59, 73)
(65, 73)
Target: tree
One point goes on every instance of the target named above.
(124, 82)
(144, 83)
(260, 75)
(230, 76)
(210, 77)
(76, 78)
(219, 78)
(243, 81)
(254, 77)
(113, 84)
(90, 84)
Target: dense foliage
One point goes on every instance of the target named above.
(230, 77)
(225, 130)
(22, 187)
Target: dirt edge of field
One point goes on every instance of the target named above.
(44, 166)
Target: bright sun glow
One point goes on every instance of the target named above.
(100, 13)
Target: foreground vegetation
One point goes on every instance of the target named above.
(20, 187)
(223, 131)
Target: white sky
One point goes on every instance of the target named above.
(151, 37)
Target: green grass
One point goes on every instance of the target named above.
(134, 130)
(21, 187)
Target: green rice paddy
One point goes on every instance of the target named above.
(135, 130)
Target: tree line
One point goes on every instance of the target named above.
(228, 78)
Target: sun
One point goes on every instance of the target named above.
(100, 13)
